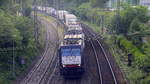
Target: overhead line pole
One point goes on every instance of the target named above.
(118, 14)
(14, 75)
(35, 23)
(118, 7)
(45, 2)
(57, 6)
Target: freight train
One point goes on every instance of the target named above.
(72, 48)
(70, 52)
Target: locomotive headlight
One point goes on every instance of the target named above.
(63, 65)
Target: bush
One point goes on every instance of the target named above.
(15, 32)
(8, 32)
(130, 19)
(145, 80)
(139, 57)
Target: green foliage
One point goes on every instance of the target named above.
(26, 7)
(15, 31)
(146, 48)
(15, 6)
(98, 3)
(5, 3)
(135, 26)
(142, 14)
(66, 4)
(3, 80)
(93, 15)
(78, 2)
(146, 51)
(140, 59)
(8, 32)
(85, 6)
(145, 80)
(116, 25)
(25, 26)
(135, 23)
(128, 18)
(135, 75)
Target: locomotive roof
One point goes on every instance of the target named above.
(71, 42)
(74, 25)
(74, 28)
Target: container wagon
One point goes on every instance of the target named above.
(70, 19)
(61, 14)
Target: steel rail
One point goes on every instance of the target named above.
(97, 62)
(53, 59)
(96, 56)
(28, 77)
(52, 74)
(110, 66)
(106, 57)
(50, 64)
(31, 73)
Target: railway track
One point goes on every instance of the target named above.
(52, 74)
(50, 70)
(38, 72)
(105, 70)
(30, 74)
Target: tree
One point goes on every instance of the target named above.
(135, 26)
(5, 3)
(25, 27)
(8, 32)
(98, 3)
(9, 37)
(26, 7)
(135, 2)
(128, 18)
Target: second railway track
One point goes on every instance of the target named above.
(105, 71)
